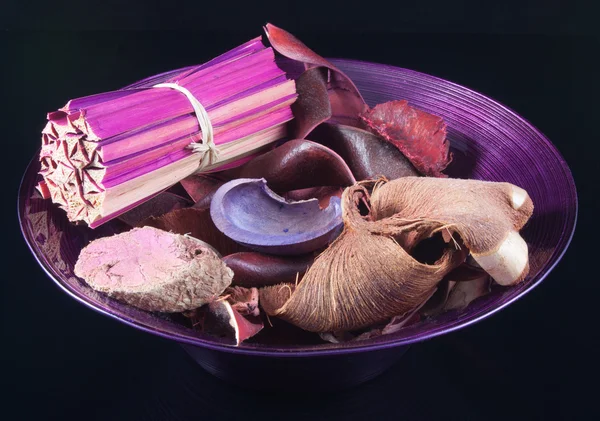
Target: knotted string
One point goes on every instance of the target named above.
(207, 148)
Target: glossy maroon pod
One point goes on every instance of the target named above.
(251, 214)
(252, 269)
(298, 164)
(313, 106)
(368, 155)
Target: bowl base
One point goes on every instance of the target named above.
(315, 374)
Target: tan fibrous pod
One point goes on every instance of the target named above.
(362, 278)
(368, 275)
(486, 215)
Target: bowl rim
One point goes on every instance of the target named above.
(340, 350)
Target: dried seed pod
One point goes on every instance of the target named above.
(325, 92)
(298, 164)
(361, 279)
(323, 194)
(464, 292)
(464, 274)
(201, 188)
(486, 215)
(368, 155)
(252, 269)
(366, 275)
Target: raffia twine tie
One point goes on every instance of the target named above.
(208, 150)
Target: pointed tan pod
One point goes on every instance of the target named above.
(487, 216)
(360, 279)
(368, 275)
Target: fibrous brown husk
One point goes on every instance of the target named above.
(367, 274)
(393, 325)
(487, 216)
(361, 279)
(272, 298)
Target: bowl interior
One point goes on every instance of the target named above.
(488, 141)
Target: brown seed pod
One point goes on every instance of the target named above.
(361, 279)
(367, 275)
(253, 269)
(486, 215)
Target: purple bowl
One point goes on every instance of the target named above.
(489, 142)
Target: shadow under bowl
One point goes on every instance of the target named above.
(488, 141)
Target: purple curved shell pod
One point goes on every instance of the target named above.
(250, 213)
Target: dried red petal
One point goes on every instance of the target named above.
(420, 136)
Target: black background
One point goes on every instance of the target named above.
(535, 360)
